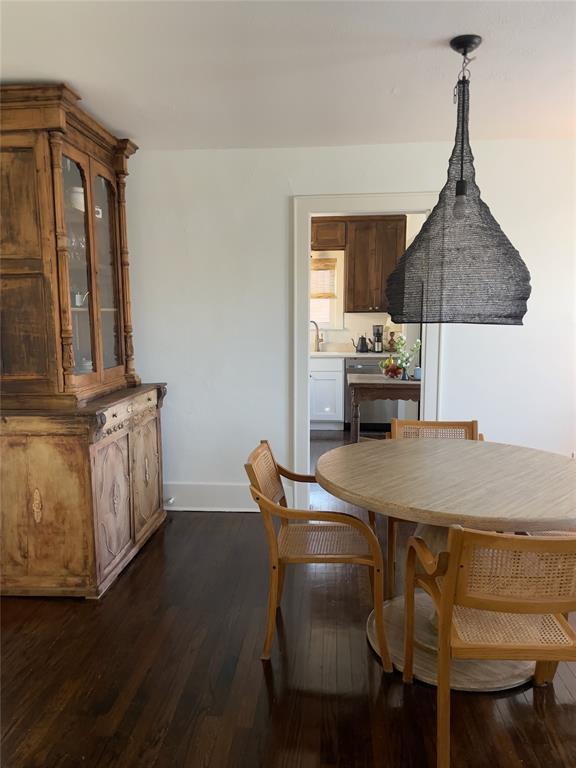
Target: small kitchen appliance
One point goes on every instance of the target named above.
(362, 345)
(377, 341)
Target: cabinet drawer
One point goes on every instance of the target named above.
(123, 414)
(329, 364)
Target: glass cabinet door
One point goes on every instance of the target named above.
(75, 220)
(107, 271)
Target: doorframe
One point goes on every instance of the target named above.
(304, 207)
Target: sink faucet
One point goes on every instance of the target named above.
(316, 336)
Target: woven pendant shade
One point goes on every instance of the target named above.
(460, 270)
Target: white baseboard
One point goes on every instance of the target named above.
(212, 497)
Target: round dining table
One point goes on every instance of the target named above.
(438, 483)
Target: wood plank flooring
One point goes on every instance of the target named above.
(164, 671)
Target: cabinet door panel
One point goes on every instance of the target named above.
(26, 340)
(105, 229)
(20, 235)
(363, 267)
(146, 474)
(112, 495)
(14, 505)
(76, 217)
(391, 239)
(326, 396)
(59, 535)
(328, 235)
(374, 247)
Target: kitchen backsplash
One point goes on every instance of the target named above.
(357, 324)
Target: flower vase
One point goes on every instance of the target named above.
(405, 376)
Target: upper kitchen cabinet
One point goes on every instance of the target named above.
(66, 328)
(328, 234)
(374, 245)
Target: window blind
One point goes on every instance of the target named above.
(322, 278)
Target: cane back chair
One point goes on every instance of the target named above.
(405, 429)
(497, 596)
(310, 537)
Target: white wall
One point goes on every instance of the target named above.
(211, 257)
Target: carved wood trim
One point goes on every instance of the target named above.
(162, 391)
(66, 333)
(132, 378)
(37, 505)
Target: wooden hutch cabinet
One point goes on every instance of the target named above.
(81, 470)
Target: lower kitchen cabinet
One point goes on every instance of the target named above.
(80, 492)
(326, 390)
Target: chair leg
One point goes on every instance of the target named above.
(408, 673)
(372, 519)
(544, 672)
(392, 524)
(379, 619)
(281, 575)
(443, 707)
(272, 605)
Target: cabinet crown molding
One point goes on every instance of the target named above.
(55, 106)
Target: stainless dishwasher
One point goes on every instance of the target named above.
(373, 414)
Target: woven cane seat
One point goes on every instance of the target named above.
(478, 627)
(321, 540)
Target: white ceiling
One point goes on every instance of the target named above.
(176, 75)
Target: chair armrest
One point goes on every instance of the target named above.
(296, 476)
(309, 515)
(433, 565)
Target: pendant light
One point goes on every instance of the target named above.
(461, 267)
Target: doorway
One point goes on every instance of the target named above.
(415, 206)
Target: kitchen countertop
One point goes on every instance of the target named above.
(378, 355)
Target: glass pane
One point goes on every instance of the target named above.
(78, 265)
(107, 264)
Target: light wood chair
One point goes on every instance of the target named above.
(310, 537)
(403, 429)
(406, 429)
(497, 596)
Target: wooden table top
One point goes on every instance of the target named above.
(378, 379)
(490, 486)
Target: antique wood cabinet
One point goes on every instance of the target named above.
(80, 435)
(374, 245)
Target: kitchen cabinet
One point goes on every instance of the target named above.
(374, 245)
(327, 390)
(328, 234)
(79, 433)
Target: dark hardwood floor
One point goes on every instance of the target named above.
(164, 671)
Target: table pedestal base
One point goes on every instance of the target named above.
(466, 675)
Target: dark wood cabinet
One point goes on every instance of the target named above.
(374, 245)
(328, 234)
